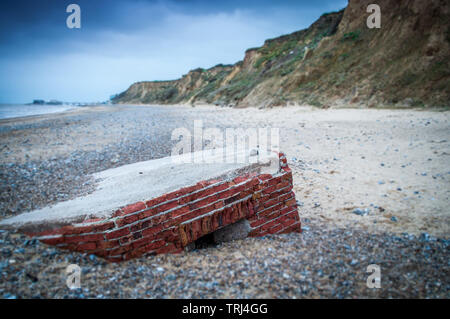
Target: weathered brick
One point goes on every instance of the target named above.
(108, 244)
(286, 221)
(206, 225)
(254, 233)
(268, 225)
(235, 214)
(166, 249)
(86, 246)
(169, 235)
(51, 232)
(103, 226)
(190, 189)
(296, 227)
(189, 235)
(274, 214)
(147, 213)
(220, 187)
(120, 250)
(274, 181)
(266, 212)
(284, 197)
(126, 220)
(155, 201)
(227, 215)
(226, 193)
(183, 236)
(155, 245)
(197, 229)
(140, 242)
(204, 202)
(117, 233)
(53, 241)
(264, 177)
(268, 190)
(167, 206)
(152, 230)
(80, 238)
(126, 239)
(132, 208)
(287, 170)
(266, 201)
(252, 183)
(231, 199)
(256, 196)
(258, 222)
(276, 229)
(117, 213)
(240, 179)
(180, 211)
(92, 220)
(291, 202)
(82, 229)
(186, 217)
(139, 226)
(251, 210)
(269, 202)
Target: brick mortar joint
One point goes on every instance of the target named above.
(117, 228)
(178, 207)
(274, 219)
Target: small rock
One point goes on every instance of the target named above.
(160, 269)
(361, 212)
(171, 277)
(424, 237)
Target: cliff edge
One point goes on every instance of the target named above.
(337, 61)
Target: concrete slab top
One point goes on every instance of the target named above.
(142, 181)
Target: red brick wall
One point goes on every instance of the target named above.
(168, 223)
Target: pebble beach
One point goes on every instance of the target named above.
(372, 188)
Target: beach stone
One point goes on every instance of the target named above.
(361, 212)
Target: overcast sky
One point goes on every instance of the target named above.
(124, 41)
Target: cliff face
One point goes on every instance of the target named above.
(337, 61)
(192, 85)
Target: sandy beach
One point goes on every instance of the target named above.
(373, 186)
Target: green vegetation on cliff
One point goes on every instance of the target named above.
(336, 61)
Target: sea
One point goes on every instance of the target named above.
(19, 110)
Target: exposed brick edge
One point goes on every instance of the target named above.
(168, 223)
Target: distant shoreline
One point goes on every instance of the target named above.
(20, 111)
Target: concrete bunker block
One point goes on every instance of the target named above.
(165, 205)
